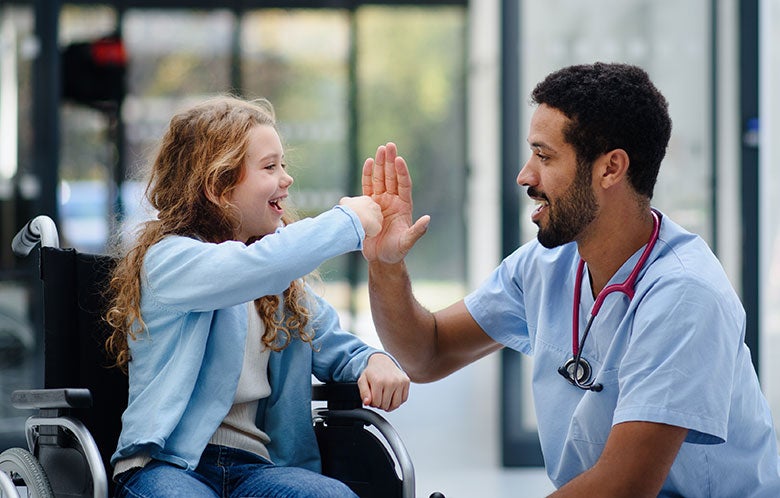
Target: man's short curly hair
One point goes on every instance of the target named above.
(611, 106)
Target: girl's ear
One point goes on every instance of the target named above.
(210, 195)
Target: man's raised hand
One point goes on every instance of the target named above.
(386, 179)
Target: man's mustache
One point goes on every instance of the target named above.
(535, 194)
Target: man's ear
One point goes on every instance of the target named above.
(613, 168)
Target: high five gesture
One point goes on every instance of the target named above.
(386, 180)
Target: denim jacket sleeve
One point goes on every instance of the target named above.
(185, 275)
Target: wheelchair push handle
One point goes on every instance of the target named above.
(39, 229)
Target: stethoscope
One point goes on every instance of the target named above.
(577, 369)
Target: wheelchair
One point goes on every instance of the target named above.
(78, 422)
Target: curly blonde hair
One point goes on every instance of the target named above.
(200, 157)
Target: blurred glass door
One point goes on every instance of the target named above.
(769, 157)
(20, 345)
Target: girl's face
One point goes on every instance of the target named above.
(263, 185)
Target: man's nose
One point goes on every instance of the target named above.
(526, 175)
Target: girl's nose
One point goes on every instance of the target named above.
(287, 180)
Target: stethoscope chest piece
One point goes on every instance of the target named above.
(582, 368)
(576, 369)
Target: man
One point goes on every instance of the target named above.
(662, 398)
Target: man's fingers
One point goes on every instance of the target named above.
(367, 180)
(403, 181)
(391, 182)
(378, 171)
(414, 232)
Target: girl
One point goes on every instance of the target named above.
(217, 330)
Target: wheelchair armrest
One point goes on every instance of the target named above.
(45, 399)
(338, 395)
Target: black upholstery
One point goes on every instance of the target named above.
(74, 333)
(356, 457)
(350, 453)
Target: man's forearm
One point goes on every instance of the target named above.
(635, 462)
(406, 329)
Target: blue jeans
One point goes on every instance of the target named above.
(227, 473)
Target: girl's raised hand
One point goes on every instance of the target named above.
(368, 211)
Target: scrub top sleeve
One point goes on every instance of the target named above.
(679, 363)
(498, 306)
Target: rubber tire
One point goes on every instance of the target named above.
(20, 464)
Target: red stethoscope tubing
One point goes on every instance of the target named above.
(628, 287)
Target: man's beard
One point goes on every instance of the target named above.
(569, 215)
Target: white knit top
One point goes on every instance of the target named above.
(238, 429)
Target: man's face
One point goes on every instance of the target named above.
(559, 185)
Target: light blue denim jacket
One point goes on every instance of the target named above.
(186, 364)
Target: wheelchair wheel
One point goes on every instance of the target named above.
(24, 470)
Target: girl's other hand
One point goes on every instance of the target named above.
(382, 384)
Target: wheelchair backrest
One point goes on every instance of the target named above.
(74, 286)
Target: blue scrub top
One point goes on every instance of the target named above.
(674, 354)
